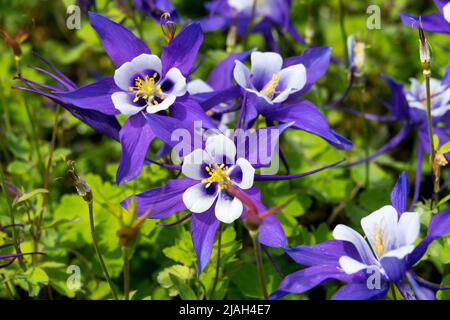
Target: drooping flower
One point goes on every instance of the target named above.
(435, 22)
(150, 91)
(272, 88)
(408, 106)
(214, 174)
(369, 269)
(268, 14)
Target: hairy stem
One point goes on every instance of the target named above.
(259, 263)
(427, 75)
(97, 250)
(126, 273)
(216, 277)
(12, 218)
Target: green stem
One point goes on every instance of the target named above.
(342, 26)
(11, 215)
(219, 249)
(365, 136)
(394, 294)
(251, 25)
(8, 288)
(34, 135)
(427, 75)
(97, 250)
(259, 263)
(126, 273)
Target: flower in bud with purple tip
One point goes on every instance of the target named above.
(150, 91)
(369, 267)
(435, 22)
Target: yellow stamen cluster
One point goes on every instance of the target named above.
(217, 173)
(270, 88)
(380, 246)
(147, 89)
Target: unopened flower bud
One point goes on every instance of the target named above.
(424, 48)
(168, 26)
(83, 189)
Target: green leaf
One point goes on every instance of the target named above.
(165, 277)
(185, 291)
(436, 141)
(445, 148)
(29, 195)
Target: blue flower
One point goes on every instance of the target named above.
(269, 14)
(149, 90)
(435, 22)
(368, 269)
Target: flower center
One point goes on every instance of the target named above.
(379, 242)
(270, 88)
(217, 173)
(147, 89)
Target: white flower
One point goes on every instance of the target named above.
(440, 97)
(215, 167)
(388, 236)
(144, 87)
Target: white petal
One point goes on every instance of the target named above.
(221, 149)
(179, 82)
(264, 66)
(382, 222)
(193, 164)
(121, 101)
(198, 86)
(197, 200)
(241, 5)
(123, 75)
(242, 75)
(228, 208)
(344, 233)
(293, 78)
(446, 12)
(163, 105)
(408, 228)
(400, 253)
(350, 265)
(246, 173)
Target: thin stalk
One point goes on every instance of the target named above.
(11, 215)
(251, 25)
(259, 263)
(394, 294)
(365, 136)
(219, 249)
(34, 137)
(342, 27)
(97, 250)
(8, 288)
(126, 273)
(427, 75)
(47, 173)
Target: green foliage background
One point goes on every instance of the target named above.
(163, 264)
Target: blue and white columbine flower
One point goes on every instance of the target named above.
(388, 236)
(144, 87)
(440, 96)
(268, 79)
(215, 168)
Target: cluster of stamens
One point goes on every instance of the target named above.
(269, 89)
(217, 173)
(147, 89)
(379, 242)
